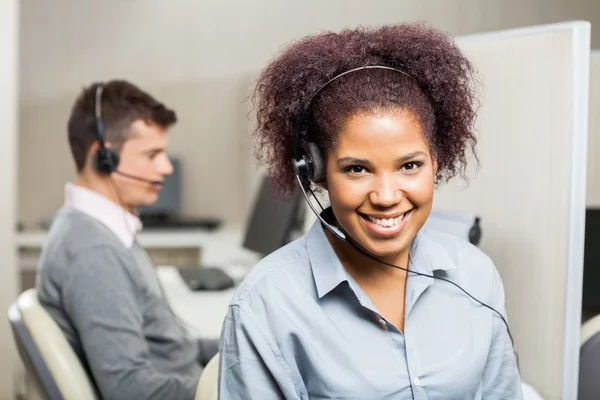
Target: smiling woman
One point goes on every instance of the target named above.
(376, 118)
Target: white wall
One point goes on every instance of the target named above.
(201, 58)
(9, 21)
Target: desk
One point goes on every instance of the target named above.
(166, 246)
(201, 312)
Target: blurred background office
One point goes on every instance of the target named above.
(201, 58)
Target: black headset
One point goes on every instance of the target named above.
(310, 166)
(106, 159)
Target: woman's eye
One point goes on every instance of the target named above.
(411, 166)
(355, 169)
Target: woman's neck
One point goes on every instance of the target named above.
(367, 271)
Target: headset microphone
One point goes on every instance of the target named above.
(139, 179)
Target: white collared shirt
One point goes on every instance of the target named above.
(122, 223)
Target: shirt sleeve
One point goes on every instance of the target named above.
(251, 366)
(501, 378)
(101, 301)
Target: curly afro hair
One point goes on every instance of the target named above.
(436, 88)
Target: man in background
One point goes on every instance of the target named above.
(94, 279)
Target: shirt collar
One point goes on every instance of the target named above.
(328, 271)
(122, 223)
(427, 256)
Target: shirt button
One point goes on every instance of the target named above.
(382, 321)
(417, 381)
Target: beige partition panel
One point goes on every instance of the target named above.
(9, 22)
(530, 188)
(593, 186)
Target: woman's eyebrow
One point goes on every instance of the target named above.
(407, 157)
(353, 160)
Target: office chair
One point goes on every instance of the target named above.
(589, 360)
(207, 384)
(48, 357)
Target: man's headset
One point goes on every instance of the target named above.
(310, 167)
(106, 159)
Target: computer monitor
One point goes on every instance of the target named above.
(591, 260)
(274, 221)
(169, 198)
(272, 224)
(166, 213)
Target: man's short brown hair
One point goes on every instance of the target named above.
(122, 104)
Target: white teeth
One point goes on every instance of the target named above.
(386, 222)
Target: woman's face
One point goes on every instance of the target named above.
(380, 179)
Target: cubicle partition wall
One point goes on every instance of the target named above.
(9, 41)
(530, 188)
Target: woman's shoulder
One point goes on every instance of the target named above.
(458, 249)
(471, 266)
(278, 272)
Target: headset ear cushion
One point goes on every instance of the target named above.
(106, 160)
(316, 163)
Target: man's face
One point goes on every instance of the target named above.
(143, 155)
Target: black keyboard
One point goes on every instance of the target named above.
(158, 221)
(205, 278)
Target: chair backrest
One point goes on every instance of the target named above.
(207, 388)
(46, 353)
(589, 360)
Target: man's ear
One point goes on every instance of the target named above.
(96, 145)
(93, 149)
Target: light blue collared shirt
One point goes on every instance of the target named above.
(300, 327)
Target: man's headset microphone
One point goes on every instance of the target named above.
(309, 168)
